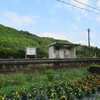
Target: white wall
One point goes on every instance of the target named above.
(61, 53)
(73, 52)
(68, 53)
(51, 52)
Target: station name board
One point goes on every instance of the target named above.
(30, 51)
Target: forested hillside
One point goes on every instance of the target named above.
(83, 51)
(14, 42)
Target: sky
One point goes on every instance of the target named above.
(53, 18)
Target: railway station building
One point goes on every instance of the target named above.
(62, 50)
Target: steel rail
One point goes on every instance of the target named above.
(47, 61)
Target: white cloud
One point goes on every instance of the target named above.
(92, 36)
(53, 12)
(55, 36)
(46, 35)
(58, 5)
(84, 43)
(74, 27)
(66, 4)
(61, 5)
(79, 4)
(79, 13)
(98, 3)
(63, 37)
(78, 18)
(52, 20)
(14, 20)
(98, 18)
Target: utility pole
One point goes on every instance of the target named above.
(89, 40)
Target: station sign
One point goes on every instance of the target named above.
(31, 51)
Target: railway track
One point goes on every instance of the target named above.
(48, 61)
(20, 65)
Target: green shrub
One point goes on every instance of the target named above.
(50, 74)
(2, 81)
(18, 79)
(36, 76)
(8, 80)
(29, 77)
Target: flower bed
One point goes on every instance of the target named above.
(83, 89)
(95, 69)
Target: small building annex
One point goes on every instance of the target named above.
(62, 50)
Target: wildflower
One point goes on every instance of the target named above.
(3, 98)
(79, 94)
(34, 91)
(75, 93)
(18, 95)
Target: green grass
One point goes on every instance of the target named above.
(98, 98)
(95, 65)
(15, 81)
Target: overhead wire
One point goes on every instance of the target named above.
(86, 5)
(78, 7)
